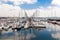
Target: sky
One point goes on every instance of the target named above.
(41, 8)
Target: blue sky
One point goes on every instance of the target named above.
(7, 2)
(39, 3)
(13, 7)
(24, 4)
(42, 3)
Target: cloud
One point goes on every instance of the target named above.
(47, 12)
(56, 2)
(13, 11)
(9, 10)
(30, 12)
(18, 2)
(44, 12)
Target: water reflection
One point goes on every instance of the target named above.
(52, 32)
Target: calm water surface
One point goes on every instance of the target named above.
(52, 32)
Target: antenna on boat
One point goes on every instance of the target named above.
(26, 16)
(36, 13)
(18, 17)
(19, 14)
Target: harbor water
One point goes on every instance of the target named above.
(51, 32)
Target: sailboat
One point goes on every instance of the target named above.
(31, 24)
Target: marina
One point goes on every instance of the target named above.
(29, 28)
(15, 30)
(29, 20)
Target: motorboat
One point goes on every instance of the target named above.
(53, 22)
(39, 25)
